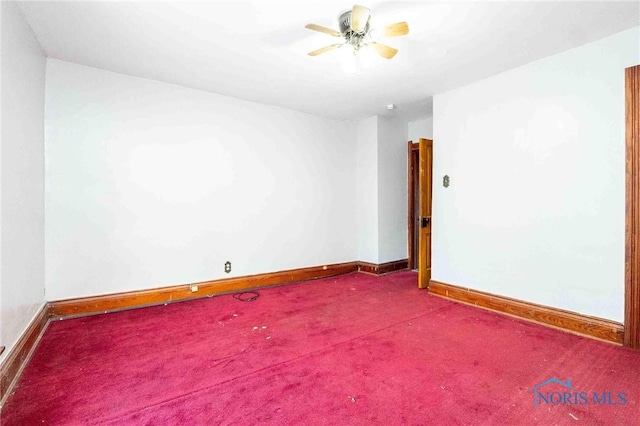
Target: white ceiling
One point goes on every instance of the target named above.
(256, 50)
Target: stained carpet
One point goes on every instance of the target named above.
(348, 350)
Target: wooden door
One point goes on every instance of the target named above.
(424, 249)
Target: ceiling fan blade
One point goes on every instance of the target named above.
(359, 18)
(325, 30)
(397, 29)
(324, 49)
(384, 50)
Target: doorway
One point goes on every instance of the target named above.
(413, 167)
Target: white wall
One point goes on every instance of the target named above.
(21, 176)
(2, 343)
(422, 128)
(367, 189)
(392, 189)
(381, 189)
(150, 184)
(535, 209)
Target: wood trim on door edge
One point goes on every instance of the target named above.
(632, 213)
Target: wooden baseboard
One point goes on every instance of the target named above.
(17, 358)
(598, 328)
(156, 296)
(383, 268)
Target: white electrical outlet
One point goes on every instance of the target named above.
(194, 288)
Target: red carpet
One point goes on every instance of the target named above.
(355, 349)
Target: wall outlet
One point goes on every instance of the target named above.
(194, 288)
(227, 267)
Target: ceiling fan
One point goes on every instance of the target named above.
(356, 31)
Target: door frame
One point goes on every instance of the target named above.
(413, 166)
(632, 209)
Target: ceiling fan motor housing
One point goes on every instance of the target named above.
(354, 38)
(345, 24)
